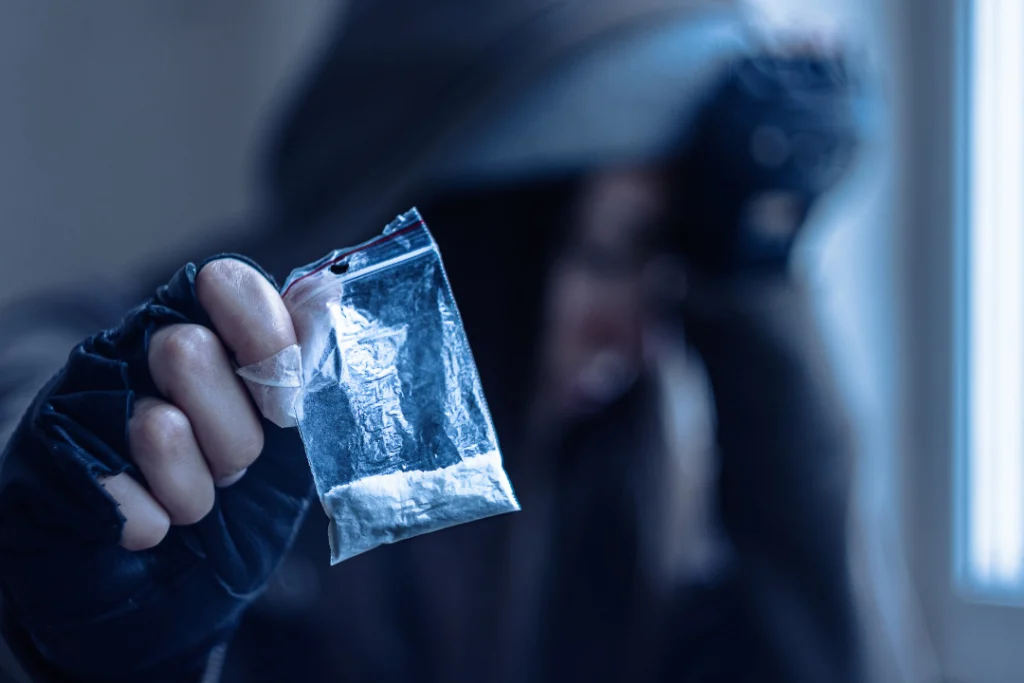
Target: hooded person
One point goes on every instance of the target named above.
(560, 151)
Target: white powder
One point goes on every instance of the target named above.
(386, 508)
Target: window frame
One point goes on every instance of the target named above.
(968, 587)
(974, 640)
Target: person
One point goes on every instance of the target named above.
(581, 167)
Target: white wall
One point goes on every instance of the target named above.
(127, 127)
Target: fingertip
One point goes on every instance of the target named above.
(246, 309)
(137, 540)
(146, 522)
(231, 479)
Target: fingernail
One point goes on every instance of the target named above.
(233, 479)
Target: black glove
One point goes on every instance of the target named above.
(77, 606)
(775, 134)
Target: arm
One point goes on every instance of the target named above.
(80, 604)
(785, 451)
(785, 445)
(35, 338)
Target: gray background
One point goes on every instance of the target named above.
(128, 127)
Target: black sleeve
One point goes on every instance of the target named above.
(77, 606)
(36, 336)
(785, 447)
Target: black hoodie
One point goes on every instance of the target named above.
(553, 593)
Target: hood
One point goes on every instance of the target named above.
(411, 97)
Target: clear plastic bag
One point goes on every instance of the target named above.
(391, 410)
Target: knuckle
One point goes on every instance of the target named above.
(159, 431)
(185, 348)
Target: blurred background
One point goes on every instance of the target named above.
(129, 128)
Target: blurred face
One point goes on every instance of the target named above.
(597, 309)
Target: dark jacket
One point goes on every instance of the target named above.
(556, 592)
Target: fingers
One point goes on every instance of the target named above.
(191, 368)
(204, 430)
(146, 523)
(247, 312)
(166, 452)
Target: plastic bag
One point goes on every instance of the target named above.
(391, 411)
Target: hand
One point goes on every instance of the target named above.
(778, 132)
(203, 430)
(143, 500)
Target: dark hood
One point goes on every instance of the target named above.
(409, 96)
(483, 113)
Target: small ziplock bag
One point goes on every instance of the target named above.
(391, 411)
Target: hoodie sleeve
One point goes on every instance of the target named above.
(72, 593)
(786, 450)
(36, 337)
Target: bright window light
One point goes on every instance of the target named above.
(991, 471)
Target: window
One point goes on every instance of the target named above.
(990, 465)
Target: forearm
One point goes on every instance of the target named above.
(35, 340)
(785, 451)
(156, 633)
(199, 667)
(79, 603)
